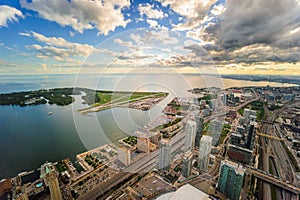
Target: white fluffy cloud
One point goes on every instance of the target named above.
(82, 14)
(8, 13)
(193, 10)
(218, 9)
(152, 23)
(151, 12)
(58, 48)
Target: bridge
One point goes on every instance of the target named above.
(274, 180)
(267, 122)
(269, 136)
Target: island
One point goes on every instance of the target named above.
(136, 100)
(96, 99)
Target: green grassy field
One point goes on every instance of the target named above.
(108, 99)
(115, 97)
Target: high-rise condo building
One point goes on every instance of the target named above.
(214, 130)
(190, 135)
(199, 130)
(164, 161)
(231, 179)
(204, 152)
(49, 174)
(187, 164)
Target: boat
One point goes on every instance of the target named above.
(50, 113)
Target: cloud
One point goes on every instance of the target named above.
(161, 35)
(71, 33)
(259, 21)
(10, 14)
(24, 34)
(194, 11)
(135, 56)
(195, 56)
(73, 48)
(218, 9)
(135, 37)
(123, 43)
(152, 23)
(258, 31)
(150, 12)
(197, 50)
(58, 48)
(82, 14)
(44, 66)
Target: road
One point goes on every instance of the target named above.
(147, 163)
(264, 160)
(223, 113)
(272, 147)
(275, 181)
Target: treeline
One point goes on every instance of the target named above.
(58, 96)
(91, 96)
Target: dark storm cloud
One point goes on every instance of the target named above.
(259, 21)
(254, 31)
(197, 49)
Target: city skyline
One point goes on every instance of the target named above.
(217, 37)
(154, 99)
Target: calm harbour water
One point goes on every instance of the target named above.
(29, 136)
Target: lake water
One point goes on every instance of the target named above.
(29, 136)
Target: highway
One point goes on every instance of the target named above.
(264, 161)
(273, 147)
(293, 188)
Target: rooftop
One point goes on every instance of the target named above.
(5, 185)
(239, 169)
(186, 192)
(151, 185)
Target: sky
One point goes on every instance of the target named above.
(117, 36)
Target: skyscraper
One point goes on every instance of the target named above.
(190, 135)
(199, 129)
(250, 135)
(204, 152)
(49, 174)
(164, 161)
(231, 179)
(187, 164)
(214, 130)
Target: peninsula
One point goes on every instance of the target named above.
(97, 99)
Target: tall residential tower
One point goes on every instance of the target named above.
(164, 161)
(49, 174)
(204, 152)
(199, 130)
(231, 179)
(190, 135)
